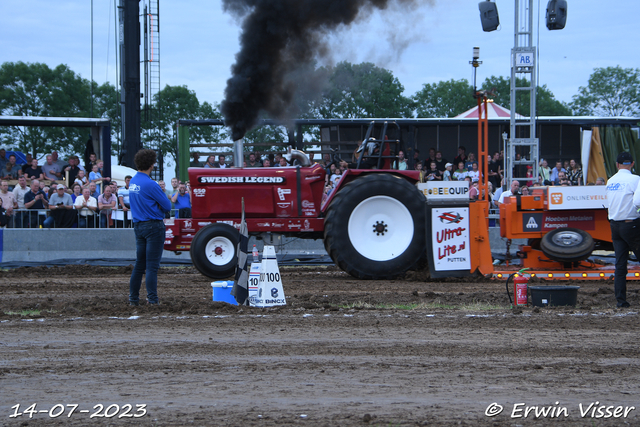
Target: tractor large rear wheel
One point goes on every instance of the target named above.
(375, 227)
(213, 251)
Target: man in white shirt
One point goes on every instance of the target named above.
(86, 207)
(623, 196)
(513, 191)
(19, 191)
(8, 201)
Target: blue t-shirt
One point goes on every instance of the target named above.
(182, 201)
(124, 193)
(148, 201)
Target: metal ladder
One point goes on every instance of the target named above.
(523, 64)
(381, 156)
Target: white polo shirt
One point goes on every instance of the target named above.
(622, 196)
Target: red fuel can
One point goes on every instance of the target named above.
(520, 290)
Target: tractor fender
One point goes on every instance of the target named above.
(352, 174)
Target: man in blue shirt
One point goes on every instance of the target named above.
(148, 205)
(93, 188)
(182, 202)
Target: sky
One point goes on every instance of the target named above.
(430, 42)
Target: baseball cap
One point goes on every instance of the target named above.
(448, 164)
(624, 158)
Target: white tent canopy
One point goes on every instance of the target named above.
(495, 112)
(119, 172)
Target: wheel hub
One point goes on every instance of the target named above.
(567, 238)
(380, 228)
(218, 250)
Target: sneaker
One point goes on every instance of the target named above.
(624, 305)
(134, 303)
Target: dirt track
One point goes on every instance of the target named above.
(410, 353)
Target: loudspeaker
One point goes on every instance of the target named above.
(489, 15)
(556, 14)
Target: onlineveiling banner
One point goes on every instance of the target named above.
(572, 198)
(450, 238)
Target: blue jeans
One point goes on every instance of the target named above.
(86, 221)
(149, 247)
(48, 223)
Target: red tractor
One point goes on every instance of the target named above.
(372, 224)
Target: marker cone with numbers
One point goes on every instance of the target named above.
(254, 278)
(270, 291)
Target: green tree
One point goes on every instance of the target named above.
(444, 99)
(106, 104)
(363, 90)
(178, 102)
(264, 138)
(38, 91)
(546, 103)
(611, 91)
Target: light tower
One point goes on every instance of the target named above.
(522, 130)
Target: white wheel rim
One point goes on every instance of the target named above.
(370, 217)
(567, 238)
(219, 250)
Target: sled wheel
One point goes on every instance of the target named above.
(213, 251)
(534, 243)
(375, 227)
(567, 245)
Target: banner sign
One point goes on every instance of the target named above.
(241, 179)
(582, 197)
(446, 191)
(450, 239)
(547, 221)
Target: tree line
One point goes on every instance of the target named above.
(347, 91)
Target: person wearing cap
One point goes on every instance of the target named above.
(446, 175)
(623, 196)
(60, 205)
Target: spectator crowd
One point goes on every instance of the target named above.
(59, 194)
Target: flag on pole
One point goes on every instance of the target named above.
(241, 285)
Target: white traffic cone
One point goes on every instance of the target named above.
(270, 291)
(254, 280)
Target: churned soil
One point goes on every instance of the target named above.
(342, 352)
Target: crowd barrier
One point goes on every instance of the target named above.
(72, 218)
(113, 247)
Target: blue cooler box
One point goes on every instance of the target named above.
(222, 291)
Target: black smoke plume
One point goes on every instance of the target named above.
(279, 38)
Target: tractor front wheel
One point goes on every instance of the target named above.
(213, 251)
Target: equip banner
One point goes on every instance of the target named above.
(450, 239)
(445, 191)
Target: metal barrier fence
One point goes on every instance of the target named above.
(107, 218)
(72, 218)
